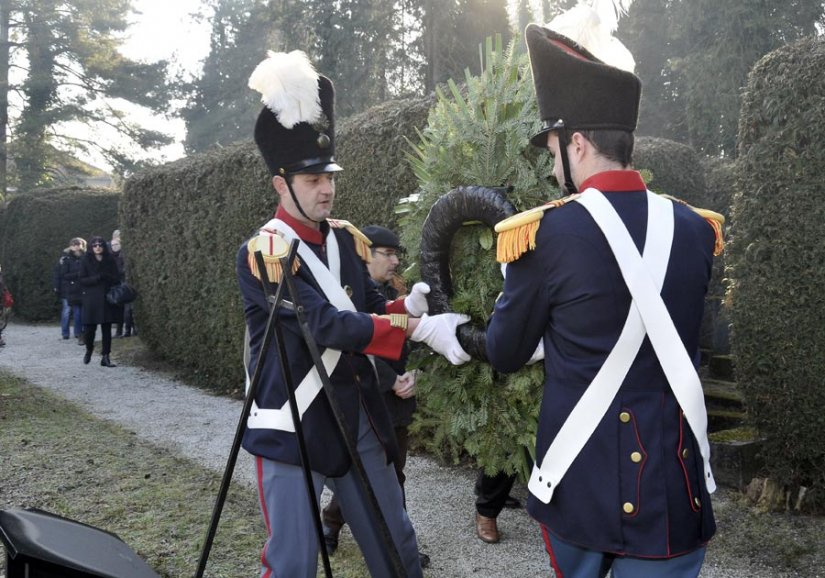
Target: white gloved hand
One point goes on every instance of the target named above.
(438, 331)
(416, 302)
(538, 354)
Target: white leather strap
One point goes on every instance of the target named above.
(593, 405)
(673, 357)
(329, 279)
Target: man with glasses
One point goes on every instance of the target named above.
(397, 384)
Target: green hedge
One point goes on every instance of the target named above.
(37, 226)
(671, 168)
(182, 225)
(372, 148)
(777, 260)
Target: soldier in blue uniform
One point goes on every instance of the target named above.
(607, 286)
(348, 318)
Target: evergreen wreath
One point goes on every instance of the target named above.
(478, 135)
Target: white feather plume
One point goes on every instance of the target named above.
(288, 84)
(591, 23)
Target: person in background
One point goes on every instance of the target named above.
(98, 273)
(126, 327)
(492, 496)
(70, 290)
(397, 384)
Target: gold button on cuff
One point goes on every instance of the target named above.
(628, 508)
(635, 457)
(697, 502)
(624, 417)
(684, 453)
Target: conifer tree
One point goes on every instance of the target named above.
(74, 72)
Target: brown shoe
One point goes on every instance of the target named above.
(487, 529)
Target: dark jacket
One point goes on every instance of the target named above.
(97, 277)
(353, 378)
(70, 287)
(401, 410)
(570, 292)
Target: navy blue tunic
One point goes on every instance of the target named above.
(353, 379)
(570, 292)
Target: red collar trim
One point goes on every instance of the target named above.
(305, 232)
(615, 182)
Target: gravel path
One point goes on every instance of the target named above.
(192, 423)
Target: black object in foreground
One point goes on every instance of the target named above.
(43, 545)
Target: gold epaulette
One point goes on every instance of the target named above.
(714, 219)
(517, 234)
(362, 243)
(272, 247)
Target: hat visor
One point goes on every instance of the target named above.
(540, 138)
(325, 167)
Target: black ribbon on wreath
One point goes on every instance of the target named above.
(466, 203)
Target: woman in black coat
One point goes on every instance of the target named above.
(98, 273)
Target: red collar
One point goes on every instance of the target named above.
(306, 233)
(615, 182)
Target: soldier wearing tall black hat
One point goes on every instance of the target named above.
(348, 318)
(607, 286)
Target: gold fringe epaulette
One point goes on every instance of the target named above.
(517, 234)
(714, 219)
(272, 247)
(362, 243)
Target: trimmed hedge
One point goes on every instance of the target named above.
(777, 260)
(182, 225)
(37, 226)
(674, 167)
(372, 148)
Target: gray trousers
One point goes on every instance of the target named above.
(291, 549)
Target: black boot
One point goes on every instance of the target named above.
(104, 361)
(88, 356)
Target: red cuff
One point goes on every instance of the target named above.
(396, 306)
(387, 341)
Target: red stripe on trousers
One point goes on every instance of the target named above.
(553, 562)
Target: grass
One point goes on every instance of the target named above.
(61, 459)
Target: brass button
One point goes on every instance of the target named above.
(635, 457)
(684, 453)
(697, 502)
(628, 508)
(624, 417)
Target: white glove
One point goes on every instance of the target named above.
(438, 331)
(416, 302)
(538, 354)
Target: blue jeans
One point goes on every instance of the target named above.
(70, 311)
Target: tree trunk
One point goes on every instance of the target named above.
(40, 88)
(4, 90)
